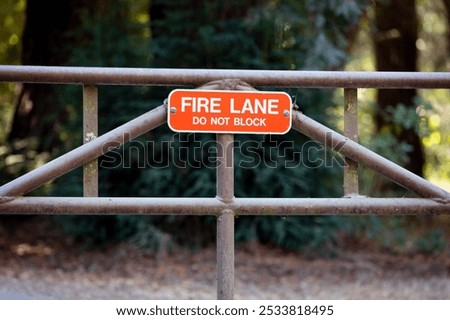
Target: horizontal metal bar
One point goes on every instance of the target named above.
(213, 206)
(280, 78)
(85, 153)
(346, 206)
(357, 152)
(88, 205)
(225, 222)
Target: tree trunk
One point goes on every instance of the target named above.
(395, 50)
(447, 9)
(44, 42)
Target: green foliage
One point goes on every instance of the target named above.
(399, 234)
(210, 34)
(284, 35)
(405, 117)
(11, 24)
(108, 36)
(398, 119)
(19, 159)
(433, 241)
(316, 236)
(272, 35)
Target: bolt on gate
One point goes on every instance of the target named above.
(224, 206)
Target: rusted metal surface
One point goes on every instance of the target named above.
(225, 167)
(215, 207)
(346, 206)
(225, 221)
(224, 206)
(355, 151)
(90, 132)
(108, 206)
(141, 76)
(85, 153)
(225, 255)
(351, 183)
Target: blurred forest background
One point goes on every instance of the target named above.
(410, 127)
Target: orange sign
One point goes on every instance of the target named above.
(229, 111)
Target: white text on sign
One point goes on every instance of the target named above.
(229, 111)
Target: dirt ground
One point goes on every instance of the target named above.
(42, 266)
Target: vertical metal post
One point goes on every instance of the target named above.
(90, 132)
(225, 222)
(351, 185)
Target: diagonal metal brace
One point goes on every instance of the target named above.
(357, 152)
(85, 153)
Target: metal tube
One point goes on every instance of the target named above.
(215, 207)
(351, 184)
(225, 222)
(85, 153)
(342, 206)
(109, 206)
(225, 167)
(147, 76)
(90, 132)
(225, 255)
(355, 151)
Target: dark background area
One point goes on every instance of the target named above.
(43, 121)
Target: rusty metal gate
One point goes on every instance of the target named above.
(224, 206)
